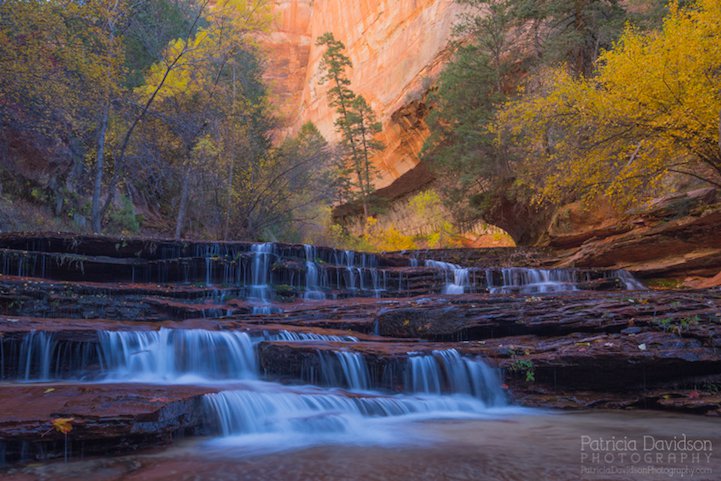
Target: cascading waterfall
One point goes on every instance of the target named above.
(544, 281)
(314, 412)
(170, 354)
(41, 356)
(449, 372)
(36, 352)
(630, 282)
(461, 276)
(533, 281)
(260, 291)
(312, 283)
(344, 368)
(292, 336)
(354, 369)
(359, 270)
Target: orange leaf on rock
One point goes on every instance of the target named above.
(63, 425)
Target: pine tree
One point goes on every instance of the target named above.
(356, 122)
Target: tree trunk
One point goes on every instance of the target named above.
(99, 166)
(183, 207)
(719, 134)
(229, 199)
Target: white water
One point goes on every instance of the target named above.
(260, 291)
(448, 372)
(631, 283)
(460, 282)
(354, 369)
(533, 281)
(171, 355)
(312, 284)
(359, 269)
(293, 336)
(345, 369)
(279, 418)
(36, 353)
(255, 413)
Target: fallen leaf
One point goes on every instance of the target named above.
(63, 425)
(50, 389)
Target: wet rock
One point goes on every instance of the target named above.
(103, 418)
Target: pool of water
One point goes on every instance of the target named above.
(525, 446)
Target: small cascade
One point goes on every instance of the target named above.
(292, 336)
(36, 354)
(260, 291)
(344, 368)
(42, 356)
(448, 372)
(354, 369)
(362, 275)
(461, 278)
(313, 412)
(533, 281)
(170, 354)
(312, 284)
(348, 259)
(630, 282)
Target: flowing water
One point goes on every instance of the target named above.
(260, 289)
(437, 415)
(542, 446)
(457, 278)
(312, 283)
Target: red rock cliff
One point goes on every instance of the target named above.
(396, 46)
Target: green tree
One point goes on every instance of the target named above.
(462, 149)
(355, 122)
(572, 31)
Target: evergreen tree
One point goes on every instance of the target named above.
(355, 122)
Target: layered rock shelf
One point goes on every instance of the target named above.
(137, 342)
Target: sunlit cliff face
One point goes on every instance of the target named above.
(397, 47)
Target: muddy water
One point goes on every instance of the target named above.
(535, 446)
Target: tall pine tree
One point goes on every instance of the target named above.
(355, 121)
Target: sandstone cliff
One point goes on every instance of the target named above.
(396, 47)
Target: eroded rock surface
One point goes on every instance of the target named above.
(569, 339)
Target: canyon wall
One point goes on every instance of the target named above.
(397, 47)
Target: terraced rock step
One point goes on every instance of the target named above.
(481, 317)
(103, 418)
(299, 340)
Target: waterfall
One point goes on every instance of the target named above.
(169, 354)
(312, 284)
(36, 354)
(630, 282)
(461, 278)
(260, 290)
(292, 336)
(354, 369)
(532, 281)
(344, 368)
(313, 412)
(448, 372)
(41, 356)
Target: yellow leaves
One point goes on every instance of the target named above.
(63, 425)
(654, 104)
(192, 65)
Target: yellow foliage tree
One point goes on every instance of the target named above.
(198, 80)
(652, 109)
